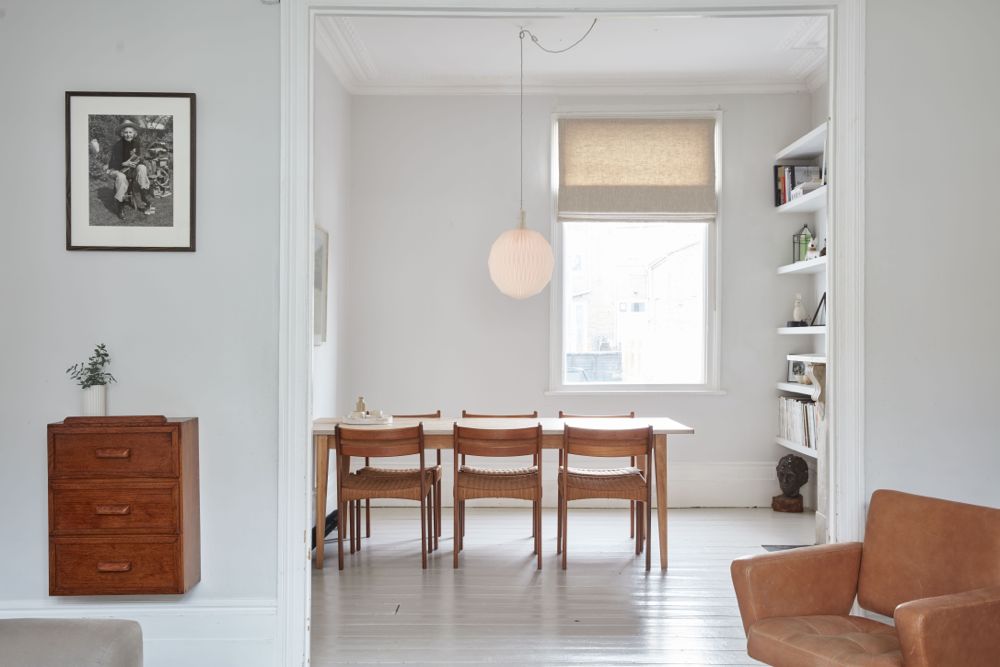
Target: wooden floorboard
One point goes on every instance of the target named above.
(496, 609)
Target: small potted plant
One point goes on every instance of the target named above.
(92, 377)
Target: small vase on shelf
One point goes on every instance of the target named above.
(95, 401)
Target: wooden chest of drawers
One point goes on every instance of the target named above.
(123, 506)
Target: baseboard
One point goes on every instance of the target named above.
(689, 484)
(209, 633)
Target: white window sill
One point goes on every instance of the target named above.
(634, 391)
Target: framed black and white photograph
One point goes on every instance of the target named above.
(797, 371)
(130, 171)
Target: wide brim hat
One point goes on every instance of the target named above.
(128, 123)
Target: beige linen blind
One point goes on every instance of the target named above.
(622, 166)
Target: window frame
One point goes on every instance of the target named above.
(558, 305)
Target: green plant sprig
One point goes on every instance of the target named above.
(91, 373)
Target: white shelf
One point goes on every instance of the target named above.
(797, 448)
(808, 358)
(806, 266)
(802, 331)
(806, 147)
(798, 388)
(807, 203)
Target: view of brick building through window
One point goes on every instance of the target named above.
(635, 299)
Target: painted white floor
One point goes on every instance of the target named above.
(497, 609)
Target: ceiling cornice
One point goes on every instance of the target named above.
(735, 87)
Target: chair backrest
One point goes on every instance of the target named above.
(917, 547)
(472, 415)
(498, 441)
(426, 415)
(566, 415)
(608, 442)
(380, 442)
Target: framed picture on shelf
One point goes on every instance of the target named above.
(130, 171)
(797, 372)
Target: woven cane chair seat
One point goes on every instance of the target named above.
(403, 484)
(625, 483)
(498, 483)
(375, 470)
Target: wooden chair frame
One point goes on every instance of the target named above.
(437, 484)
(497, 443)
(631, 505)
(380, 443)
(607, 443)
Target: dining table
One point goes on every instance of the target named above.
(438, 435)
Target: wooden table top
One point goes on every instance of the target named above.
(550, 425)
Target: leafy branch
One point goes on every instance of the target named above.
(91, 372)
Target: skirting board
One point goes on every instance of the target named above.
(740, 484)
(208, 633)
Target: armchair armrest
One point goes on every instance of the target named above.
(799, 582)
(957, 629)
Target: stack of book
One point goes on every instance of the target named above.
(794, 181)
(797, 421)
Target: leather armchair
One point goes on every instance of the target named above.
(932, 565)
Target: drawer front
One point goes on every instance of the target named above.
(124, 566)
(81, 509)
(122, 454)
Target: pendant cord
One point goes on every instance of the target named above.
(539, 45)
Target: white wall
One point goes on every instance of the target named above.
(331, 196)
(932, 313)
(191, 334)
(435, 181)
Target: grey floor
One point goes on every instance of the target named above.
(497, 609)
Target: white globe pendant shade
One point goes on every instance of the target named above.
(521, 262)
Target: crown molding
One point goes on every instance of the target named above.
(638, 88)
(340, 45)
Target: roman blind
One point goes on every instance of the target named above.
(614, 167)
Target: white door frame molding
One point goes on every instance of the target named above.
(846, 265)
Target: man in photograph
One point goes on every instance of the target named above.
(126, 167)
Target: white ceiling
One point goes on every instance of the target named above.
(441, 55)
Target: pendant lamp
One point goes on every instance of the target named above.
(521, 259)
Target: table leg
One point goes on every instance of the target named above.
(322, 478)
(661, 495)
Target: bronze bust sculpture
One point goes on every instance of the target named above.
(793, 473)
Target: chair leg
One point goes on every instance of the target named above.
(559, 523)
(538, 532)
(357, 522)
(430, 519)
(647, 530)
(638, 536)
(340, 536)
(368, 517)
(423, 532)
(534, 525)
(438, 509)
(461, 518)
(350, 524)
(631, 518)
(456, 540)
(565, 525)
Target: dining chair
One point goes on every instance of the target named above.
(519, 483)
(474, 415)
(436, 471)
(631, 505)
(409, 484)
(624, 483)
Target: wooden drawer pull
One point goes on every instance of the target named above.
(115, 566)
(115, 453)
(113, 510)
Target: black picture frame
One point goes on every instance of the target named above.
(148, 203)
(821, 306)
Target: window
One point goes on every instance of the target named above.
(637, 223)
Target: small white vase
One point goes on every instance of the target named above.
(95, 401)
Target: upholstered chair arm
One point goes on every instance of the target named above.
(797, 582)
(958, 629)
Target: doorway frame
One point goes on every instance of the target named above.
(845, 278)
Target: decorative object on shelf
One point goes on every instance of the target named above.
(797, 372)
(359, 405)
(812, 252)
(130, 167)
(800, 243)
(321, 245)
(822, 253)
(521, 259)
(793, 473)
(818, 321)
(798, 314)
(94, 380)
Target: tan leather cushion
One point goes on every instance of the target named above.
(918, 547)
(824, 641)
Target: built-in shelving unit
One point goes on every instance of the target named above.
(801, 408)
(805, 266)
(802, 331)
